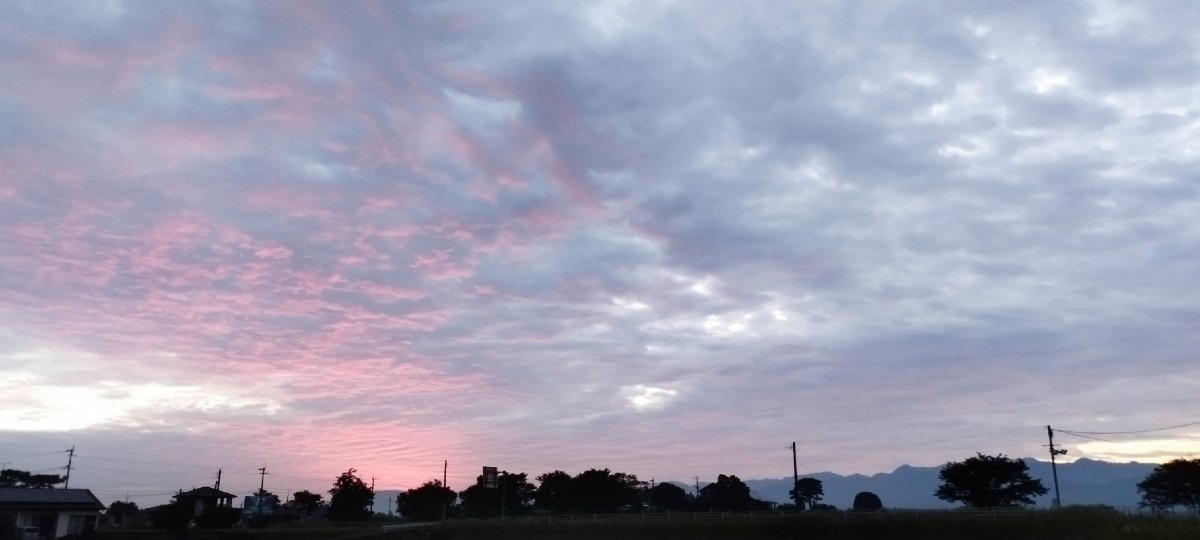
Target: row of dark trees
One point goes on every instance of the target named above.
(595, 491)
(12, 478)
(997, 481)
(981, 481)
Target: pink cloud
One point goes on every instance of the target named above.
(277, 253)
(259, 92)
(379, 291)
(438, 265)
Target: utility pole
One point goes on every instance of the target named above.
(795, 477)
(1054, 452)
(262, 482)
(218, 486)
(503, 492)
(697, 487)
(445, 467)
(70, 459)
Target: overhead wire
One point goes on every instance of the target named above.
(1083, 436)
(13, 458)
(1134, 432)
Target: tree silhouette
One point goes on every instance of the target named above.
(307, 502)
(807, 492)
(13, 478)
(865, 500)
(427, 502)
(119, 510)
(512, 496)
(728, 494)
(553, 492)
(988, 481)
(600, 491)
(668, 496)
(1174, 483)
(350, 498)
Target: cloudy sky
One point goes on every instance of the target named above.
(665, 238)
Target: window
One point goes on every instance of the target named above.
(79, 523)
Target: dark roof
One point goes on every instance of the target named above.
(62, 498)
(205, 493)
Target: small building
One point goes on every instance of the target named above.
(256, 504)
(55, 512)
(206, 497)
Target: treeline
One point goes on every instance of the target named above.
(594, 491)
(13, 478)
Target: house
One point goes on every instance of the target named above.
(206, 497)
(55, 512)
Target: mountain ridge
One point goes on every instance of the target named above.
(1081, 482)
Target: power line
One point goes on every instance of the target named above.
(1086, 436)
(11, 459)
(1081, 433)
(195, 466)
(166, 463)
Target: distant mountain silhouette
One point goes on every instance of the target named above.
(1085, 481)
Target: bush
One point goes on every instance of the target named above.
(218, 518)
(866, 500)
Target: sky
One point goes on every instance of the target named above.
(667, 238)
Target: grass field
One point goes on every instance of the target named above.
(1042, 528)
(1064, 525)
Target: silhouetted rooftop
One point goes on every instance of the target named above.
(73, 498)
(205, 493)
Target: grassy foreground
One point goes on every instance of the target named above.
(1041, 528)
(303, 532)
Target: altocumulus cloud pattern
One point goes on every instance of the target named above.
(666, 238)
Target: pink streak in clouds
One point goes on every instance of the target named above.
(276, 253)
(437, 265)
(181, 268)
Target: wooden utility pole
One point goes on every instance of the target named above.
(445, 467)
(1054, 466)
(70, 459)
(262, 483)
(795, 478)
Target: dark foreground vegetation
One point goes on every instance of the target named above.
(1067, 524)
(917, 529)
